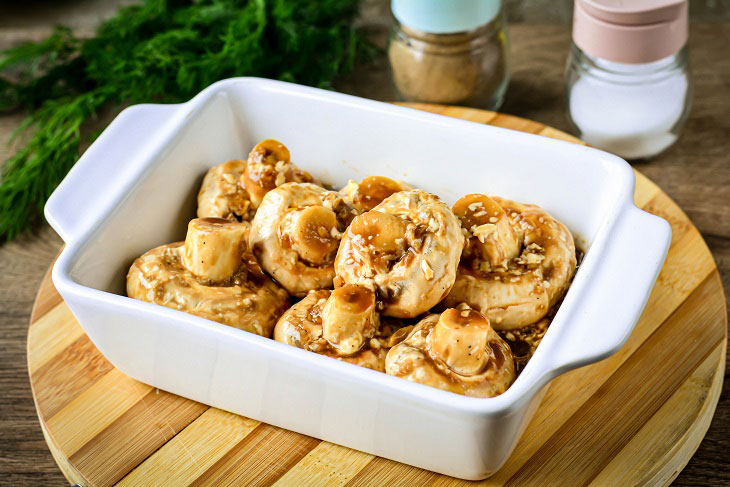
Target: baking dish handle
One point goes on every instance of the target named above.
(601, 322)
(84, 194)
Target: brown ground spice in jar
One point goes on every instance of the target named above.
(468, 68)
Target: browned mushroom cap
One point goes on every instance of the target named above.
(491, 236)
(222, 193)
(371, 191)
(269, 166)
(296, 233)
(457, 351)
(211, 275)
(406, 249)
(521, 290)
(341, 324)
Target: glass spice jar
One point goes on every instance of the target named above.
(628, 85)
(452, 52)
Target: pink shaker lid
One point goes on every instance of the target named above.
(632, 32)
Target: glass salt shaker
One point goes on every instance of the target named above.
(628, 85)
(449, 51)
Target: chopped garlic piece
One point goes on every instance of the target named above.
(533, 258)
(482, 232)
(427, 271)
(475, 205)
(229, 178)
(280, 166)
(280, 179)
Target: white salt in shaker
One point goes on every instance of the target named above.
(627, 81)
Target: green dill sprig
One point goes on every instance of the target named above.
(158, 51)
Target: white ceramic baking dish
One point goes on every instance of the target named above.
(135, 188)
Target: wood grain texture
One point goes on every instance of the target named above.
(637, 416)
(695, 173)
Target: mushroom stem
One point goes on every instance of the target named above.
(214, 247)
(460, 339)
(349, 318)
(371, 191)
(312, 235)
(494, 238)
(269, 165)
(381, 232)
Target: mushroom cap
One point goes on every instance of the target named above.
(222, 194)
(522, 292)
(248, 300)
(302, 326)
(456, 351)
(296, 243)
(406, 249)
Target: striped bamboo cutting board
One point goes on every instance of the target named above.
(633, 419)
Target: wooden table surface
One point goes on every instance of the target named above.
(695, 172)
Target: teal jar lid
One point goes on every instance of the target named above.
(445, 16)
